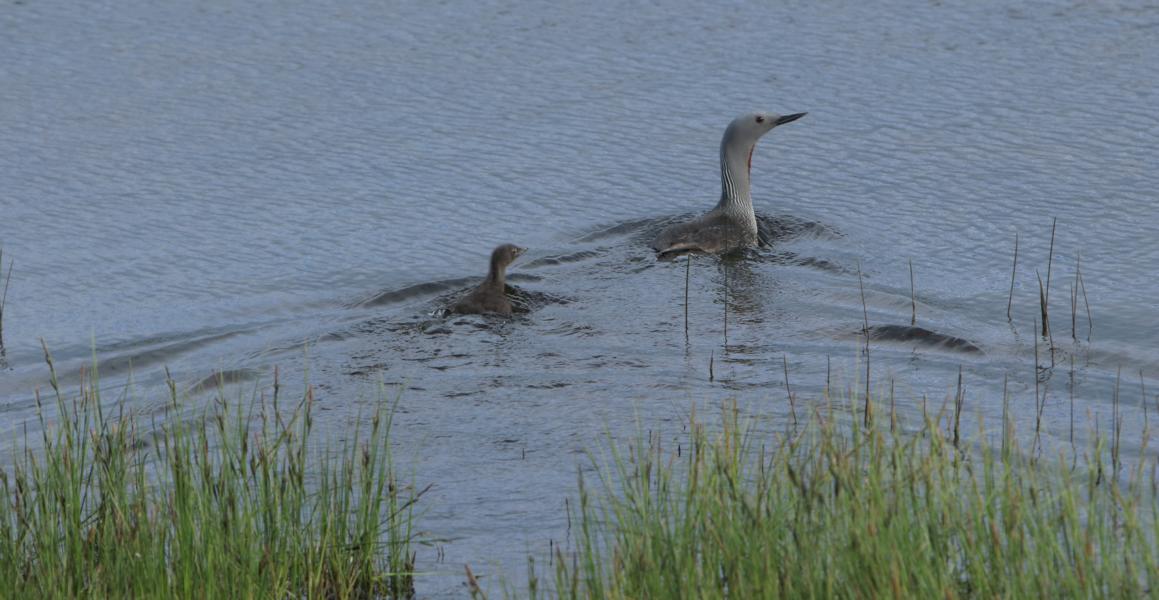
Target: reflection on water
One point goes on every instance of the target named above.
(232, 187)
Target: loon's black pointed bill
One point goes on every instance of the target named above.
(790, 118)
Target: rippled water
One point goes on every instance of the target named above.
(214, 186)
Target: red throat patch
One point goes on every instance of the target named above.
(754, 147)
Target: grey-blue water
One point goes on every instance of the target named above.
(236, 185)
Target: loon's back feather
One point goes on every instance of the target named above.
(715, 232)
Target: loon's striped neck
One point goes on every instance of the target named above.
(736, 158)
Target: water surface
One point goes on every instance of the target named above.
(240, 185)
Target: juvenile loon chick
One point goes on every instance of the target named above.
(491, 295)
(732, 225)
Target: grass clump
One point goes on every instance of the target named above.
(236, 503)
(842, 511)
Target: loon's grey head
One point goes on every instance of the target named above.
(745, 130)
(740, 138)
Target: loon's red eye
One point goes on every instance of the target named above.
(760, 119)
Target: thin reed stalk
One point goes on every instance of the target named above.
(892, 408)
(959, 400)
(1116, 424)
(1072, 390)
(828, 376)
(865, 330)
(1050, 257)
(1074, 300)
(4, 293)
(726, 307)
(789, 390)
(1037, 411)
(913, 302)
(1143, 402)
(1013, 271)
(687, 276)
(1005, 416)
(1043, 307)
(1086, 303)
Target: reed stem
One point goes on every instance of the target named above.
(865, 329)
(4, 294)
(913, 318)
(1013, 270)
(789, 390)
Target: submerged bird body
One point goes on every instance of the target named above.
(715, 232)
(732, 225)
(491, 295)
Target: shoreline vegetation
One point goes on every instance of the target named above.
(837, 509)
(235, 498)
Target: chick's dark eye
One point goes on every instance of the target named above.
(760, 119)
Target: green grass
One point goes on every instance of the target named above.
(234, 503)
(239, 502)
(842, 511)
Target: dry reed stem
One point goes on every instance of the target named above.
(959, 400)
(1050, 257)
(687, 275)
(4, 294)
(1083, 287)
(865, 330)
(913, 318)
(1013, 270)
(1042, 306)
(789, 390)
(726, 307)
